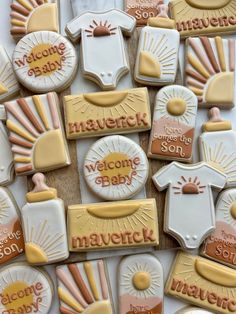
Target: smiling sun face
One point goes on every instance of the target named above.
(189, 186)
(100, 29)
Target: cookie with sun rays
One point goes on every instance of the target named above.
(29, 16)
(193, 310)
(115, 168)
(84, 288)
(45, 61)
(36, 134)
(173, 125)
(140, 285)
(11, 236)
(221, 244)
(105, 113)
(113, 225)
(25, 289)
(210, 70)
(202, 282)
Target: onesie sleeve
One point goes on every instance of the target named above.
(162, 178)
(126, 22)
(217, 179)
(74, 27)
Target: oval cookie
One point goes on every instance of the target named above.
(115, 168)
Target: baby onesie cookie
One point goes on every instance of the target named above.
(217, 145)
(105, 113)
(203, 283)
(36, 134)
(44, 224)
(193, 310)
(6, 158)
(122, 224)
(210, 71)
(25, 289)
(189, 208)
(9, 86)
(29, 16)
(201, 17)
(141, 285)
(157, 55)
(104, 57)
(45, 61)
(11, 235)
(115, 168)
(173, 124)
(84, 288)
(221, 244)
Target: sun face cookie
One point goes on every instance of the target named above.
(157, 55)
(189, 208)
(104, 58)
(36, 134)
(119, 224)
(173, 124)
(25, 289)
(84, 288)
(193, 310)
(106, 113)
(6, 158)
(29, 16)
(45, 61)
(115, 168)
(203, 283)
(141, 285)
(210, 71)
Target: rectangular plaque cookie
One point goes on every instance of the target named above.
(112, 225)
(96, 114)
(204, 283)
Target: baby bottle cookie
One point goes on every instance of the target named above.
(157, 56)
(44, 224)
(173, 125)
(6, 158)
(189, 208)
(217, 145)
(104, 57)
(141, 285)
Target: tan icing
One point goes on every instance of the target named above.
(3, 89)
(33, 197)
(233, 210)
(44, 17)
(113, 211)
(148, 65)
(161, 22)
(176, 106)
(209, 4)
(35, 254)
(141, 280)
(103, 307)
(106, 99)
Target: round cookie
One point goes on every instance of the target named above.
(115, 168)
(45, 61)
(25, 289)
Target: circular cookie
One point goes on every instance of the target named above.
(45, 61)
(25, 289)
(115, 168)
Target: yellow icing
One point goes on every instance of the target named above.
(176, 106)
(44, 17)
(41, 111)
(196, 91)
(67, 298)
(23, 160)
(217, 126)
(33, 197)
(148, 65)
(113, 157)
(207, 4)
(14, 128)
(25, 4)
(103, 307)
(197, 65)
(233, 210)
(17, 22)
(3, 89)
(113, 210)
(89, 272)
(141, 280)
(49, 150)
(220, 52)
(161, 22)
(35, 254)
(106, 99)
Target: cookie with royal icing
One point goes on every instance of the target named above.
(173, 124)
(6, 158)
(84, 288)
(189, 208)
(45, 61)
(25, 289)
(193, 310)
(104, 57)
(141, 285)
(210, 71)
(115, 168)
(36, 134)
(29, 16)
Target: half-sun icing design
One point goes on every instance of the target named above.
(98, 29)
(188, 186)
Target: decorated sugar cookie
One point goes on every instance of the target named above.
(6, 158)
(157, 56)
(193, 310)
(44, 224)
(45, 61)
(29, 16)
(189, 208)
(25, 289)
(9, 86)
(11, 235)
(104, 57)
(140, 285)
(105, 113)
(204, 283)
(210, 70)
(36, 134)
(122, 224)
(84, 288)
(217, 145)
(173, 125)
(115, 168)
